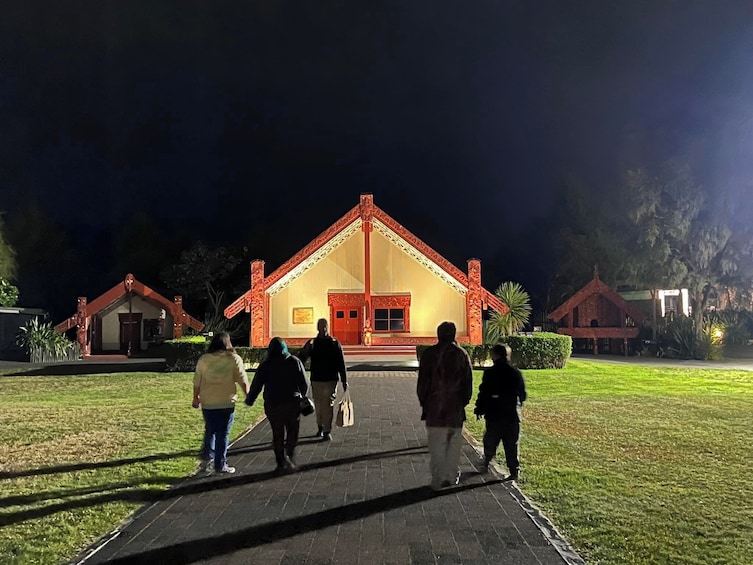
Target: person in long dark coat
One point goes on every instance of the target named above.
(444, 388)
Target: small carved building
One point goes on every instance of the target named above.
(599, 314)
(376, 283)
(126, 318)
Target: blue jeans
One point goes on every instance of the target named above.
(217, 424)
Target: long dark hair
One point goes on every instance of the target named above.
(221, 342)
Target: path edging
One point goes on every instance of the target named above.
(98, 545)
(549, 530)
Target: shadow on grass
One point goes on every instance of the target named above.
(98, 465)
(206, 548)
(193, 485)
(90, 368)
(20, 500)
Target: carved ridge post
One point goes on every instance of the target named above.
(258, 314)
(178, 314)
(82, 327)
(473, 303)
(367, 215)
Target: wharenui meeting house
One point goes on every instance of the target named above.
(376, 283)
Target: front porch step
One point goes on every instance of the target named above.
(378, 350)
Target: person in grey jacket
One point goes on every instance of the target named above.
(283, 379)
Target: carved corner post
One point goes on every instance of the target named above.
(178, 315)
(473, 303)
(82, 327)
(258, 311)
(367, 215)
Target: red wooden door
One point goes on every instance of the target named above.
(130, 332)
(347, 325)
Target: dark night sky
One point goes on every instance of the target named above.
(460, 115)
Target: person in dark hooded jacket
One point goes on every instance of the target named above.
(500, 398)
(283, 379)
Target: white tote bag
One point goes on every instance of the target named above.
(345, 416)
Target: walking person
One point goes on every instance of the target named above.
(218, 373)
(327, 367)
(500, 399)
(444, 388)
(283, 379)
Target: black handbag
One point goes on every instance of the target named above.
(306, 405)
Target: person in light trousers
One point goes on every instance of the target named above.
(444, 388)
(327, 367)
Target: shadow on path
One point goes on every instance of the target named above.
(193, 485)
(206, 548)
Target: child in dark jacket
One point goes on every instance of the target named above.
(500, 398)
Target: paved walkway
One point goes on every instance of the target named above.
(361, 498)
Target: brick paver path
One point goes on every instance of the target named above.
(361, 498)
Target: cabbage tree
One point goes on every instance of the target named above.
(519, 303)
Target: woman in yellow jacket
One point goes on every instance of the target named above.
(218, 372)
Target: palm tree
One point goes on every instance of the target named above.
(519, 303)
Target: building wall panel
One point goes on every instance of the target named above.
(432, 300)
(341, 270)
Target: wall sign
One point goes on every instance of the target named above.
(303, 315)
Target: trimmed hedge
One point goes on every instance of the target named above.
(541, 350)
(253, 356)
(182, 355)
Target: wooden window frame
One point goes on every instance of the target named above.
(392, 302)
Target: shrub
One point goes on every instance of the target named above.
(43, 344)
(709, 345)
(678, 338)
(190, 339)
(182, 354)
(543, 350)
(8, 294)
(735, 325)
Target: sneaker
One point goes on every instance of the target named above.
(511, 477)
(326, 436)
(207, 467)
(453, 481)
(320, 432)
(289, 466)
(227, 470)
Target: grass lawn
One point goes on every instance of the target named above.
(641, 465)
(78, 454)
(633, 464)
